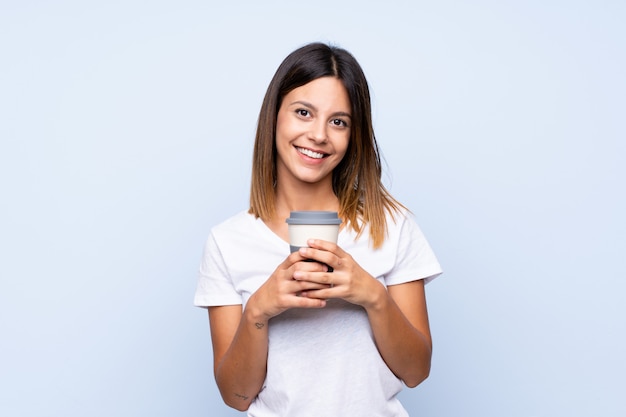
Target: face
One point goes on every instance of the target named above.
(312, 132)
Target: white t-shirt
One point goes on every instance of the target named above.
(321, 362)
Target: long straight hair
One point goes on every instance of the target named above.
(363, 200)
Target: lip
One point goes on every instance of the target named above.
(310, 158)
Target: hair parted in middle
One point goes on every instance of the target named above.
(363, 199)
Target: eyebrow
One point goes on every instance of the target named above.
(312, 107)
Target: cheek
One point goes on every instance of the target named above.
(284, 130)
(343, 147)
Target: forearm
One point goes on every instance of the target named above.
(241, 372)
(406, 350)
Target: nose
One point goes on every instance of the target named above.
(318, 132)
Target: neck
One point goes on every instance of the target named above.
(298, 197)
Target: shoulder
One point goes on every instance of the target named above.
(399, 220)
(404, 235)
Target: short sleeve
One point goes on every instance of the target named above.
(415, 258)
(214, 287)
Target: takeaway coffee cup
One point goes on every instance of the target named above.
(304, 225)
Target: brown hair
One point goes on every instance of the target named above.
(363, 200)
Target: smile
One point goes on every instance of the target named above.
(310, 153)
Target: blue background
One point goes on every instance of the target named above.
(126, 132)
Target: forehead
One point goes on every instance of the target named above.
(324, 91)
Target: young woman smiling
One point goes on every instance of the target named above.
(336, 337)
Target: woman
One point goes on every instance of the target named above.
(339, 336)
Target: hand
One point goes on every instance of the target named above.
(281, 291)
(347, 280)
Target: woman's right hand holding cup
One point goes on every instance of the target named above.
(281, 291)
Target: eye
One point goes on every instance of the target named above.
(339, 123)
(303, 112)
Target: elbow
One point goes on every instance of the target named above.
(232, 395)
(234, 398)
(415, 380)
(418, 377)
(420, 370)
(239, 407)
(239, 403)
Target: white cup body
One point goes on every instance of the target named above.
(300, 233)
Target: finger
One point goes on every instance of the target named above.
(304, 286)
(326, 246)
(322, 294)
(310, 265)
(328, 258)
(292, 259)
(307, 289)
(306, 300)
(324, 278)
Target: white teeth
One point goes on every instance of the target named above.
(310, 153)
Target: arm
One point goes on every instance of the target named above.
(399, 321)
(240, 337)
(397, 315)
(239, 354)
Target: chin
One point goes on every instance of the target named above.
(311, 179)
